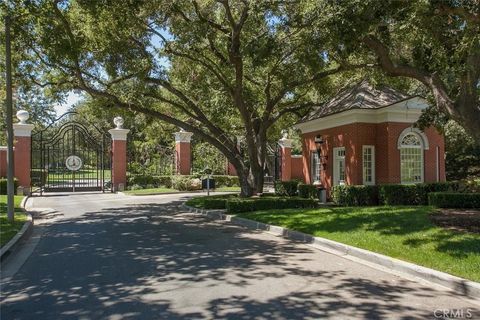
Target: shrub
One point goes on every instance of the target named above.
(215, 203)
(423, 189)
(469, 186)
(398, 194)
(454, 200)
(3, 185)
(307, 191)
(186, 183)
(136, 187)
(355, 195)
(151, 181)
(286, 188)
(226, 181)
(210, 202)
(412, 194)
(267, 203)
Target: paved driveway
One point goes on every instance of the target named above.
(117, 257)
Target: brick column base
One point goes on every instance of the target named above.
(119, 156)
(22, 154)
(183, 152)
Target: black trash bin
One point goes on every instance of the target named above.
(204, 184)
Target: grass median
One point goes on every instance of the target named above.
(9, 230)
(406, 233)
(153, 191)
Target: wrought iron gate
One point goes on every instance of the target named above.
(70, 157)
(273, 165)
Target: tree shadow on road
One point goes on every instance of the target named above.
(153, 261)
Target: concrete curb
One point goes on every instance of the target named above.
(459, 285)
(23, 233)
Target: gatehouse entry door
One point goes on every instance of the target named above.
(70, 157)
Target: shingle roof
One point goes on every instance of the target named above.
(360, 96)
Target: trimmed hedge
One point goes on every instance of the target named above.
(254, 204)
(454, 200)
(412, 194)
(307, 191)
(398, 194)
(226, 181)
(355, 195)
(145, 180)
(286, 188)
(167, 181)
(390, 194)
(3, 186)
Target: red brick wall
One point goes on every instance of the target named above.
(183, 158)
(286, 156)
(297, 168)
(119, 163)
(3, 163)
(384, 136)
(22, 161)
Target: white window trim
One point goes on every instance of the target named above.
(312, 169)
(418, 132)
(373, 165)
(335, 166)
(423, 141)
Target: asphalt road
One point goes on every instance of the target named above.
(106, 256)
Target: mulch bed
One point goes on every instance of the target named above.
(465, 220)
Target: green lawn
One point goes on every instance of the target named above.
(87, 174)
(228, 189)
(401, 232)
(7, 229)
(165, 190)
(150, 191)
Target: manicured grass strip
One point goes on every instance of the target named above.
(401, 232)
(228, 189)
(9, 230)
(165, 190)
(151, 191)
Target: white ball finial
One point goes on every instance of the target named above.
(284, 134)
(118, 121)
(23, 116)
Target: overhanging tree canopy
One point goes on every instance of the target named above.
(435, 42)
(215, 68)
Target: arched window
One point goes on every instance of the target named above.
(411, 157)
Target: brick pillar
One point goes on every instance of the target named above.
(183, 152)
(3, 162)
(22, 133)
(286, 156)
(119, 155)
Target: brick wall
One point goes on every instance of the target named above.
(3, 162)
(384, 136)
(297, 168)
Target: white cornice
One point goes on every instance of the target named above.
(119, 134)
(22, 129)
(183, 136)
(285, 143)
(405, 111)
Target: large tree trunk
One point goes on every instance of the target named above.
(251, 178)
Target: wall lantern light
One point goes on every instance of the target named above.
(318, 144)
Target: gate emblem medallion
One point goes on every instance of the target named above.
(73, 163)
